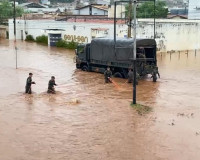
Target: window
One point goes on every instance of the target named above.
(81, 49)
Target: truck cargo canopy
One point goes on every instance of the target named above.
(103, 48)
(125, 42)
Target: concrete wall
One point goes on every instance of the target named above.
(194, 9)
(31, 27)
(72, 29)
(170, 34)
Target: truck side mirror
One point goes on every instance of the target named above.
(76, 51)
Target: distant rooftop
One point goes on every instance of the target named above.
(177, 16)
(98, 6)
(32, 5)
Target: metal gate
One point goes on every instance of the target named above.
(54, 38)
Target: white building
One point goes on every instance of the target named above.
(171, 34)
(194, 9)
(93, 10)
(40, 8)
(82, 32)
(68, 6)
(33, 7)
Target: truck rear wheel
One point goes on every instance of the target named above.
(154, 78)
(85, 68)
(118, 75)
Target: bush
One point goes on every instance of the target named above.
(68, 45)
(72, 45)
(42, 39)
(61, 43)
(29, 38)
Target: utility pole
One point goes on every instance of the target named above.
(14, 21)
(134, 41)
(115, 7)
(154, 19)
(134, 52)
(129, 18)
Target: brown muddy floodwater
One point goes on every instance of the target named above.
(90, 120)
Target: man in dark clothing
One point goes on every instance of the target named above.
(29, 83)
(130, 76)
(107, 75)
(155, 73)
(51, 85)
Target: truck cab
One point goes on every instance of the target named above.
(82, 56)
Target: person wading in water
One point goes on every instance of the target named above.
(51, 85)
(29, 83)
(107, 75)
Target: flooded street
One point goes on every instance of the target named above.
(90, 120)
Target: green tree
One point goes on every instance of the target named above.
(6, 11)
(146, 10)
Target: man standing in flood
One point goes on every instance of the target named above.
(130, 76)
(107, 75)
(51, 85)
(29, 83)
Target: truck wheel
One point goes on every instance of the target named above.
(77, 66)
(85, 68)
(118, 75)
(154, 78)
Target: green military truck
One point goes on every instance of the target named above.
(103, 52)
